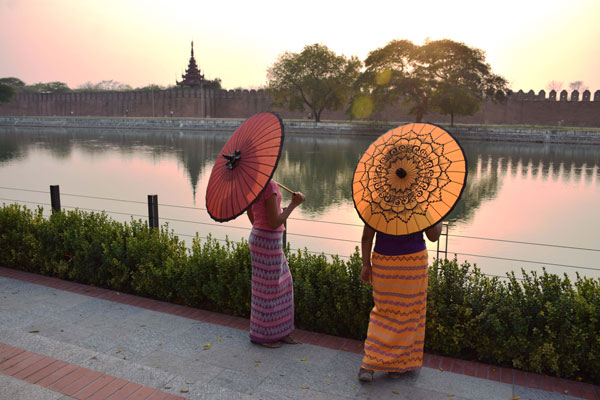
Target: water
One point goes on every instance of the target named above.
(535, 193)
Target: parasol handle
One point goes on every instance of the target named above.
(284, 188)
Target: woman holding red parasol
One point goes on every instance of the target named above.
(272, 312)
(241, 181)
(404, 185)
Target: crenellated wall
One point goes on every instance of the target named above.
(567, 109)
(160, 103)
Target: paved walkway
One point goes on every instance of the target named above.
(61, 340)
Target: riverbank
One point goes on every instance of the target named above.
(531, 134)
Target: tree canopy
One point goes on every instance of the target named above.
(13, 82)
(152, 86)
(6, 93)
(48, 87)
(442, 75)
(316, 78)
(104, 86)
(579, 86)
(214, 84)
(18, 86)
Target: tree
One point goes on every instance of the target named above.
(87, 87)
(316, 78)
(578, 85)
(104, 86)
(554, 85)
(460, 78)
(50, 87)
(152, 86)
(15, 83)
(214, 84)
(454, 99)
(445, 75)
(391, 74)
(6, 93)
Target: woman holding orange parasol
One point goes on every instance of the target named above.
(404, 185)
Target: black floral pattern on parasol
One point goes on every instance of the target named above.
(409, 179)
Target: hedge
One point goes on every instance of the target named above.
(543, 324)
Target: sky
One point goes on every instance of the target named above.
(142, 42)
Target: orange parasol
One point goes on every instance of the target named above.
(409, 179)
(247, 163)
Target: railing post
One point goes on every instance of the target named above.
(444, 224)
(437, 252)
(284, 240)
(153, 210)
(55, 198)
(446, 248)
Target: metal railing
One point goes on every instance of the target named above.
(153, 221)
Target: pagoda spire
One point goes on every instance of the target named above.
(192, 76)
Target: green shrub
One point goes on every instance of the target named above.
(543, 323)
(218, 277)
(20, 248)
(329, 296)
(156, 259)
(73, 246)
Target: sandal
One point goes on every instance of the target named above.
(270, 345)
(290, 340)
(365, 375)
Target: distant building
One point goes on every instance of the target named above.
(192, 76)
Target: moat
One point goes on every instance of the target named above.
(526, 192)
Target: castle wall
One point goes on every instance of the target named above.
(567, 109)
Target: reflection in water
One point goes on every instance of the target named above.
(196, 152)
(10, 148)
(503, 181)
(321, 168)
(490, 162)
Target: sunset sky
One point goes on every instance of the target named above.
(139, 42)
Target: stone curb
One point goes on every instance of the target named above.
(491, 133)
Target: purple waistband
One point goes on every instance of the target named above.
(389, 245)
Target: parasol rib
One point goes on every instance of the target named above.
(257, 145)
(250, 124)
(265, 133)
(248, 177)
(249, 166)
(442, 199)
(223, 204)
(249, 161)
(269, 127)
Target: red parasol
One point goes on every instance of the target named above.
(409, 179)
(247, 163)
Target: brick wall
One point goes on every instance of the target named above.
(520, 108)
